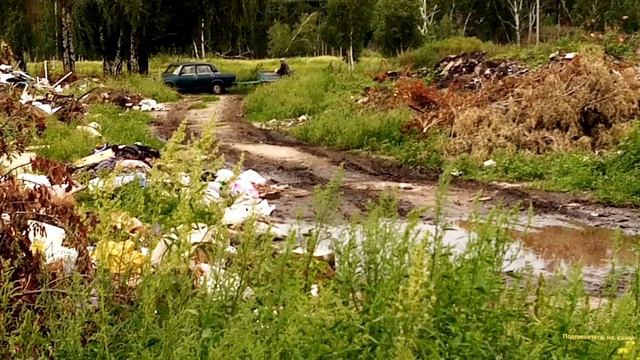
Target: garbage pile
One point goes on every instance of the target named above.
(12, 107)
(471, 70)
(123, 99)
(571, 103)
(66, 108)
(242, 197)
(39, 94)
(568, 105)
(37, 224)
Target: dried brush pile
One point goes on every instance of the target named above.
(582, 104)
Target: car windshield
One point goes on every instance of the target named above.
(172, 69)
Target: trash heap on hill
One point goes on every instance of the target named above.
(471, 70)
(570, 103)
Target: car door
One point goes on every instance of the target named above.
(205, 77)
(188, 79)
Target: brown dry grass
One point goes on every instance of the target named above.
(584, 104)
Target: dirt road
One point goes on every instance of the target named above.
(302, 167)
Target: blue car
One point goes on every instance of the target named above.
(197, 77)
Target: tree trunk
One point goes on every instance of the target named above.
(202, 52)
(117, 64)
(134, 65)
(107, 64)
(538, 22)
(68, 49)
(143, 60)
(351, 60)
(55, 16)
(531, 24)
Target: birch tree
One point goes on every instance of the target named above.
(516, 10)
(67, 32)
(428, 14)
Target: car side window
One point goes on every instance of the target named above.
(188, 70)
(204, 69)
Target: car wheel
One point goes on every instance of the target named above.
(218, 89)
(171, 85)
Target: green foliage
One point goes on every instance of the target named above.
(396, 26)
(443, 29)
(398, 292)
(605, 15)
(302, 94)
(279, 39)
(344, 127)
(301, 41)
(348, 21)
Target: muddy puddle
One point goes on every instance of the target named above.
(544, 250)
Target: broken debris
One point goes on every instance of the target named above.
(471, 70)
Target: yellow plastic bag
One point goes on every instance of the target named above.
(120, 257)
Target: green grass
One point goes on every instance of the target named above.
(65, 143)
(609, 177)
(209, 98)
(392, 295)
(308, 93)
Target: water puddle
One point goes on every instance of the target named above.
(588, 246)
(545, 250)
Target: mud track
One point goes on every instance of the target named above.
(303, 167)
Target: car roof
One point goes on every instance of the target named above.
(189, 63)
